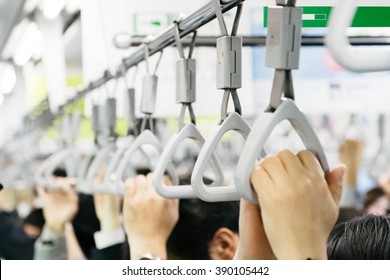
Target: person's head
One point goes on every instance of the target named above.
(33, 223)
(376, 202)
(205, 231)
(362, 238)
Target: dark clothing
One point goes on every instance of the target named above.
(15, 244)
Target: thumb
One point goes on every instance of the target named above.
(335, 180)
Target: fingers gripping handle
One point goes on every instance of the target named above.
(189, 131)
(258, 137)
(217, 193)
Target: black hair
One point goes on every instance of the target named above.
(362, 238)
(198, 222)
(35, 218)
(60, 172)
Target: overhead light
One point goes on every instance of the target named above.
(27, 44)
(52, 8)
(1, 99)
(7, 78)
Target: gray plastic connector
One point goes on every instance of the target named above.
(96, 119)
(110, 113)
(229, 60)
(130, 105)
(186, 80)
(283, 37)
(149, 91)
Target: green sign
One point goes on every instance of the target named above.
(317, 17)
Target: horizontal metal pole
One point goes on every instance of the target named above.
(188, 24)
(253, 41)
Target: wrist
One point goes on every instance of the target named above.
(58, 228)
(242, 254)
(313, 253)
(110, 224)
(154, 246)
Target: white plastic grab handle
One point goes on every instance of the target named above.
(189, 131)
(359, 59)
(110, 185)
(101, 157)
(40, 175)
(258, 137)
(44, 174)
(145, 138)
(217, 193)
(82, 185)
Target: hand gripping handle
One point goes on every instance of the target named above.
(217, 193)
(259, 135)
(189, 131)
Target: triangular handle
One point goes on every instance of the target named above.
(217, 193)
(82, 185)
(355, 58)
(189, 131)
(101, 157)
(54, 162)
(109, 178)
(40, 175)
(145, 138)
(259, 135)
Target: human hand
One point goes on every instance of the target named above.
(299, 205)
(107, 207)
(384, 184)
(148, 218)
(254, 244)
(350, 154)
(59, 206)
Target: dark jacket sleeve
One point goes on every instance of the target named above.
(15, 244)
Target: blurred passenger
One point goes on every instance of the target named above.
(15, 242)
(168, 228)
(376, 202)
(350, 154)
